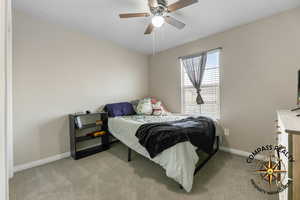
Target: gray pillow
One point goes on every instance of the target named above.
(135, 104)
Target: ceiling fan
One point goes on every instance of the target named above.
(159, 11)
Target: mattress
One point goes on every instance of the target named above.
(179, 161)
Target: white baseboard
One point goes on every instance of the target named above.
(235, 151)
(240, 153)
(67, 154)
(41, 162)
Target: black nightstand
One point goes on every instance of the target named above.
(88, 134)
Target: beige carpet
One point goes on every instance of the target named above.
(108, 176)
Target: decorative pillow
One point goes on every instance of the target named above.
(119, 109)
(154, 100)
(157, 109)
(144, 107)
(135, 104)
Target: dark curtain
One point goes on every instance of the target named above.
(194, 67)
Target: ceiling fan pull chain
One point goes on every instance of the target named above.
(153, 43)
(163, 34)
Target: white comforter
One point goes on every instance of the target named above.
(179, 161)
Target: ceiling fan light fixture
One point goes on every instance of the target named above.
(158, 21)
(159, 10)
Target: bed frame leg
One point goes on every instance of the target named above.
(209, 156)
(129, 154)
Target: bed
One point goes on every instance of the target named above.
(179, 161)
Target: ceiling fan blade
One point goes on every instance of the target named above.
(180, 4)
(153, 3)
(174, 22)
(149, 29)
(129, 15)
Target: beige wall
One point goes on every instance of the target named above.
(259, 75)
(57, 72)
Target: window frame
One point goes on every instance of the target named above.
(182, 87)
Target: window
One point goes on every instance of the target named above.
(210, 89)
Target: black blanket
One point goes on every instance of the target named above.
(156, 137)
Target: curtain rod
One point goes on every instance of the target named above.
(198, 54)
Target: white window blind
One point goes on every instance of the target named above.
(210, 89)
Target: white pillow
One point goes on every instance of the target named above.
(144, 107)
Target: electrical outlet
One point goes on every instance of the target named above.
(226, 131)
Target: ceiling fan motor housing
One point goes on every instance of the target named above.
(160, 9)
(163, 3)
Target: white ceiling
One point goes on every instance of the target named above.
(99, 18)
